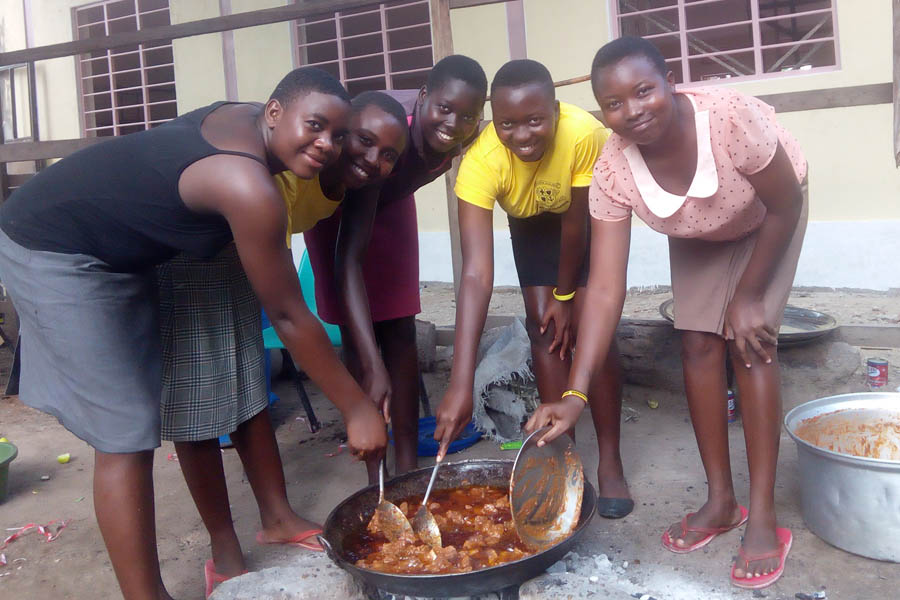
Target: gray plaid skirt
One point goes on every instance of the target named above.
(213, 364)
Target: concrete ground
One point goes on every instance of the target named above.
(661, 462)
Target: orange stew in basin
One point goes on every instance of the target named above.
(476, 529)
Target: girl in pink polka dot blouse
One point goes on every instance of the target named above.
(713, 170)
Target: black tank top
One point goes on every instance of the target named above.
(118, 200)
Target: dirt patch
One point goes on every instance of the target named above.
(848, 307)
(658, 449)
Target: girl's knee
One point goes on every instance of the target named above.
(538, 339)
(698, 346)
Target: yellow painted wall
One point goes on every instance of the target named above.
(564, 35)
(57, 92)
(852, 176)
(263, 55)
(479, 32)
(199, 68)
(850, 150)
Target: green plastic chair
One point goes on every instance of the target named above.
(308, 287)
(271, 341)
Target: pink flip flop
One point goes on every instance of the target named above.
(711, 532)
(301, 539)
(212, 578)
(785, 539)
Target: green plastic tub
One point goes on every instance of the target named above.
(8, 452)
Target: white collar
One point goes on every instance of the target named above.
(705, 183)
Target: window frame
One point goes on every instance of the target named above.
(757, 48)
(15, 111)
(111, 54)
(381, 8)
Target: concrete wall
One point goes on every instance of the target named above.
(854, 213)
(57, 92)
(854, 186)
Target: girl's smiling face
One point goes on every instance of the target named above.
(372, 148)
(525, 119)
(449, 114)
(306, 135)
(636, 100)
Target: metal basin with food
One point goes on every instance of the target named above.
(852, 502)
(353, 514)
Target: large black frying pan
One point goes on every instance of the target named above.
(354, 513)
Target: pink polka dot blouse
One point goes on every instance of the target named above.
(737, 135)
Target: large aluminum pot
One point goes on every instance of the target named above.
(848, 501)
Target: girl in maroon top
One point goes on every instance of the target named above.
(366, 257)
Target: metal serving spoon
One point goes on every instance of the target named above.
(390, 519)
(423, 522)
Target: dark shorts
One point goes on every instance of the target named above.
(535, 245)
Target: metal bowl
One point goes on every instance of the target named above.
(545, 490)
(849, 501)
(800, 325)
(355, 511)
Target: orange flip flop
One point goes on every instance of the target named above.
(212, 578)
(785, 539)
(711, 532)
(302, 539)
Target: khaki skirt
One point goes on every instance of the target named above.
(706, 274)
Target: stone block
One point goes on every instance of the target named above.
(426, 343)
(310, 576)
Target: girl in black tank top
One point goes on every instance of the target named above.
(76, 245)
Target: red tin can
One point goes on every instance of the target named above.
(876, 372)
(732, 407)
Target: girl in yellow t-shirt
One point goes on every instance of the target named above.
(535, 159)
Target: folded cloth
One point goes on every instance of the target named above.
(504, 355)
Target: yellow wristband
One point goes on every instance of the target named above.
(563, 297)
(575, 393)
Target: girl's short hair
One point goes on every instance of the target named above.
(521, 72)
(383, 102)
(304, 80)
(457, 66)
(624, 47)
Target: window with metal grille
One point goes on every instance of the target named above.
(381, 47)
(129, 88)
(720, 39)
(15, 103)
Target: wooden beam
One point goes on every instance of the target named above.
(856, 95)
(896, 83)
(470, 3)
(442, 44)
(515, 29)
(22, 151)
(441, 31)
(182, 30)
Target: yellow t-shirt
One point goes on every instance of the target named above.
(306, 203)
(491, 173)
